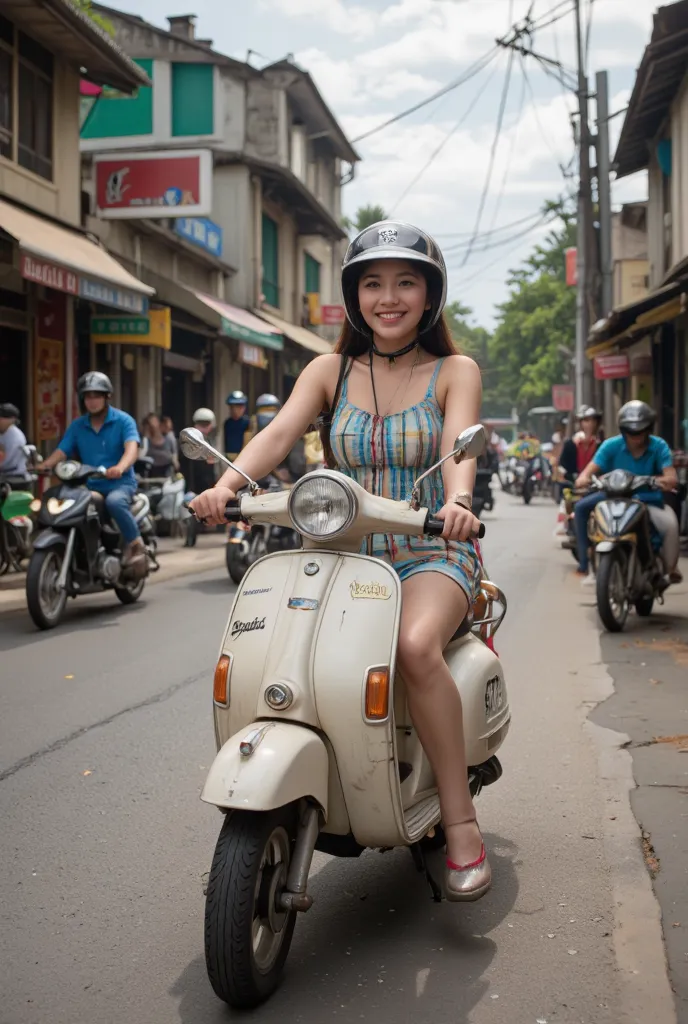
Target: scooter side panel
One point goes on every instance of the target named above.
(358, 631)
(251, 783)
(480, 681)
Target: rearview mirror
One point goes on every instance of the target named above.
(470, 443)
(193, 444)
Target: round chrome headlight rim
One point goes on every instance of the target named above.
(340, 481)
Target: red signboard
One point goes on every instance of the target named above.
(332, 315)
(562, 397)
(571, 257)
(614, 367)
(174, 183)
(49, 275)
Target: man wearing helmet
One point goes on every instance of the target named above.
(12, 441)
(201, 474)
(105, 436)
(294, 465)
(236, 425)
(637, 450)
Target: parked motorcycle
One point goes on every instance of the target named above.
(629, 568)
(317, 749)
(78, 550)
(166, 495)
(512, 473)
(245, 545)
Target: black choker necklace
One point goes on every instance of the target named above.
(393, 356)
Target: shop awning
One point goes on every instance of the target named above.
(240, 324)
(69, 261)
(626, 323)
(299, 335)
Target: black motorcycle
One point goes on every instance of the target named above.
(79, 549)
(245, 545)
(629, 568)
(538, 478)
(483, 498)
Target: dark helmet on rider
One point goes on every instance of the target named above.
(237, 398)
(395, 240)
(94, 380)
(267, 407)
(8, 411)
(636, 417)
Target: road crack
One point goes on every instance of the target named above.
(51, 748)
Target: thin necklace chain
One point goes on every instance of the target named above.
(414, 364)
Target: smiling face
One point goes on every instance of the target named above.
(392, 297)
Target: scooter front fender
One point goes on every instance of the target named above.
(288, 762)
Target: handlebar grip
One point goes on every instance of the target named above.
(435, 526)
(232, 512)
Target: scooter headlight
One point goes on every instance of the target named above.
(322, 507)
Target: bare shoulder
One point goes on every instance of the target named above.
(460, 371)
(324, 369)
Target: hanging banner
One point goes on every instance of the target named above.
(49, 368)
(169, 183)
(562, 397)
(333, 315)
(614, 367)
(571, 258)
(155, 328)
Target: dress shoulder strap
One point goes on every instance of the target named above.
(432, 386)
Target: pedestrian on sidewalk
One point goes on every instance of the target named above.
(105, 436)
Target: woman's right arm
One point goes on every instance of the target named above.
(270, 447)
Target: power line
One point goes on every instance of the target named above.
(493, 151)
(507, 166)
(473, 70)
(494, 231)
(436, 152)
(488, 266)
(489, 246)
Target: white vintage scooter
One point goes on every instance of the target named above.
(316, 748)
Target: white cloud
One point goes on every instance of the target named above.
(350, 20)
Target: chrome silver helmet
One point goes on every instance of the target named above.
(94, 380)
(636, 417)
(394, 240)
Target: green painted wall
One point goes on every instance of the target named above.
(192, 99)
(116, 115)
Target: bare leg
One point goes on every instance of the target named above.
(433, 607)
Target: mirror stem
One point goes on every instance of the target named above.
(415, 493)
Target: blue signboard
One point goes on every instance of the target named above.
(108, 295)
(201, 232)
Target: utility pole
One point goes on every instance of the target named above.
(605, 218)
(584, 225)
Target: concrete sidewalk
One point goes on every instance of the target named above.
(648, 663)
(174, 559)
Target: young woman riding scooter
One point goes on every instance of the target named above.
(399, 395)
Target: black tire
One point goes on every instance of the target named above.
(44, 567)
(236, 567)
(612, 613)
(191, 533)
(237, 885)
(130, 594)
(644, 605)
(527, 490)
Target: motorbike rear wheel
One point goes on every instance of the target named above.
(612, 599)
(528, 488)
(130, 593)
(247, 934)
(45, 602)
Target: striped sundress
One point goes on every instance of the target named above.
(385, 455)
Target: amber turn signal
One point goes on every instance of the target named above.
(377, 694)
(221, 681)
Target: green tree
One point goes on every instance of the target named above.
(526, 355)
(470, 339)
(87, 7)
(365, 216)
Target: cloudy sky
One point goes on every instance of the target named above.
(373, 59)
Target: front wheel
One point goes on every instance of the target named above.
(612, 599)
(236, 565)
(247, 934)
(130, 593)
(46, 603)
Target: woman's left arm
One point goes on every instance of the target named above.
(462, 402)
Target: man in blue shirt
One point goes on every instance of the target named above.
(107, 437)
(640, 452)
(236, 424)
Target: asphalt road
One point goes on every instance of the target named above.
(105, 738)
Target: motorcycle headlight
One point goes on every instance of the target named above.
(57, 505)
(66, 470)
(322, 507)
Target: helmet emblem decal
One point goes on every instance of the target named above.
(387, 236)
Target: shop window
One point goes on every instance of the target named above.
(270, 285)
(192, 99)
(26, 127)
(115, 114)
(312, 274)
